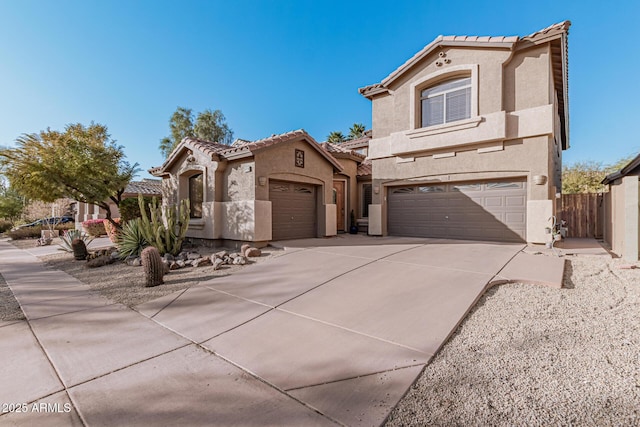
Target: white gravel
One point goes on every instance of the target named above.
(530, 355)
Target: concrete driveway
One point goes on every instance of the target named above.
(334, 331)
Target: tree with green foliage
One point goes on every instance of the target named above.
(357, 131)
(11, 204)
(336, 137)
(586, 177)
(82, 163)
(209, 125)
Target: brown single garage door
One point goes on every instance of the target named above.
(293, 210)
(492, 210)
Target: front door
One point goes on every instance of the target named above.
(338, 196)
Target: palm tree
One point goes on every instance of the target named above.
(336, 137)
(357, 131)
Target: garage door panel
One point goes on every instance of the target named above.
(293, 210)
(479, 210)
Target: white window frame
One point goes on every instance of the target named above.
(435, 78)
(445, 99)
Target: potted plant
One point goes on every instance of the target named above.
(353, 228)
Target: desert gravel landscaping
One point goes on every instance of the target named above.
(124, 284)
(529, 355)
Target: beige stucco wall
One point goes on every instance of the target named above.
(278, 163)
(622, 217)
(513, 130)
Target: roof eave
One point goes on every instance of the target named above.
(624, 171)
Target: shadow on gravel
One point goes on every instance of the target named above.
(567, 283)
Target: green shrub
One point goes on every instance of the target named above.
(69, 236)
(131, 240)
(4, 226)
(130, 208)
(34, 232)
(94, 227)
(25, 233)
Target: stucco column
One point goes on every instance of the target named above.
(631, 216)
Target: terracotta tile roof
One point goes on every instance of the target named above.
(226, 152)
(146, 187)
(339, 151)
(357, 143)
(364, 168)
(481, 41)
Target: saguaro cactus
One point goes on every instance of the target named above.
(153, 267)
(79, 249)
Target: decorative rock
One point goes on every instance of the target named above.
(217, 263)
(244, 248)
(115, 254)
(252, 252)
(169, 257)
(134, 262)
(222, 254)
(240, 260)
(193, 256)
(227, 260)
(181, 263)
(173, 265)
(234, 255)
(201, 262)
(182, 256)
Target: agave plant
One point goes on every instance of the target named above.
(131, 239)
(69, 236)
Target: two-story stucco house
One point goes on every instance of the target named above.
(466, 143)
(468, 137)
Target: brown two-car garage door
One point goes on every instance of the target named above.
(293, 210)
(493, 210)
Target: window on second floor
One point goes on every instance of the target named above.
(446, 102)
(196, 195)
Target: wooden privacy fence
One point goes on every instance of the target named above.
(584, 214)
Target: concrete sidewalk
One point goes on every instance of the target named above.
(332, 332)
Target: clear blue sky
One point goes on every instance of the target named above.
(275, 66)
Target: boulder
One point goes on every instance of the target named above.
(222, 254)
(134, 262)
(252, 253)
(244, 248)
(217, 263)
(201, 262)
(240, 260)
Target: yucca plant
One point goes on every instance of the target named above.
(131, 239)
(69, 236)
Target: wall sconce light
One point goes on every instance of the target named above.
(376, 189)
(539, 179)
(262, 180)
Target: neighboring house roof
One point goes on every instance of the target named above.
(556, 33)
(633, 167)
(364, 169)
(358, 143)
(222, 152)
(146, 187)
(340, 152)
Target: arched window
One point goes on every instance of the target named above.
(446, 102)
(196, 195)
